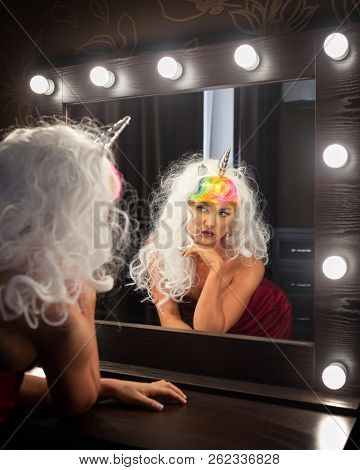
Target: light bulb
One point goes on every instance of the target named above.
(246, 57)
(41, 85)
(100, 76)
(169, 68)
(336, 46)
(334, 376)
(334, 267)
(335, 156)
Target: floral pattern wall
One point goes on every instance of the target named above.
(54, 33)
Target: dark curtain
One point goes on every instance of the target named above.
(256, 138)
(256, 141)
(162, 129)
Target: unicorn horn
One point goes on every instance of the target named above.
(114, 132)
(223, 162)
(108, 137)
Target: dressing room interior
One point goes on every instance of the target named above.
(231, 130)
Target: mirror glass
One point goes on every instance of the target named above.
(271, 127)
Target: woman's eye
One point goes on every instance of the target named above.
(224, 213)
(201, 208)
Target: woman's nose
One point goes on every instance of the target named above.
(209, 221)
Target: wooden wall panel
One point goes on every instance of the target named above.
(337, 212)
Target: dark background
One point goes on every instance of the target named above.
(69, 32)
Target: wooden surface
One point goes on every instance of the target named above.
(337, 214)
(203, 67)
(208, 421)
(253, 359)
(300, 398)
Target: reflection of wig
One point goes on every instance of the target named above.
(59, 224)
(159, 262)
(216, 189)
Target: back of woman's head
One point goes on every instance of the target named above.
(59, 225)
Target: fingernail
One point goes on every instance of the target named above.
(159, 406)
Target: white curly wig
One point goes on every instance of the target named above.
(59, 224)
(159, 262)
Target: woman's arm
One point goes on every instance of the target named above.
(209, 314)
(220, 305)
(69, 355)
(168, 312)
(70, 360)
(72, 383)
(34, 392)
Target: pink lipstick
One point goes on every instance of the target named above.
(207, 233)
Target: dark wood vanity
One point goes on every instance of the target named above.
(223, 410)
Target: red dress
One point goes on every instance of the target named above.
(268, 309)
(10, 382)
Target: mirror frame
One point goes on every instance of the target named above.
(337, 200)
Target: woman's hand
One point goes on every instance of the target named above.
(139, 394)
(208, 254)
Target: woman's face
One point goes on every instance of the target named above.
(211, 223)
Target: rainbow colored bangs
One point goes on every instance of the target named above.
(216, 189)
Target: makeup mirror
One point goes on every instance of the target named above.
(283, 59)
(272, 127)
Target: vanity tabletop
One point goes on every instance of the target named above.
(208, 421)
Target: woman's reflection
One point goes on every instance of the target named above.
(203, 263)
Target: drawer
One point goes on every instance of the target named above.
(296, 249)
(296, 281)
(302, 306)
(303, 330)
(294, 244)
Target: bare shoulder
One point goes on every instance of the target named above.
(59, 332)
(245, 266)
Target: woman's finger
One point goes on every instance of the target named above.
(173, 387)
(164, 391)
(146, 402)
(191, 252)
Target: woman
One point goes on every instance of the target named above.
(204, 261)
(59, 230)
